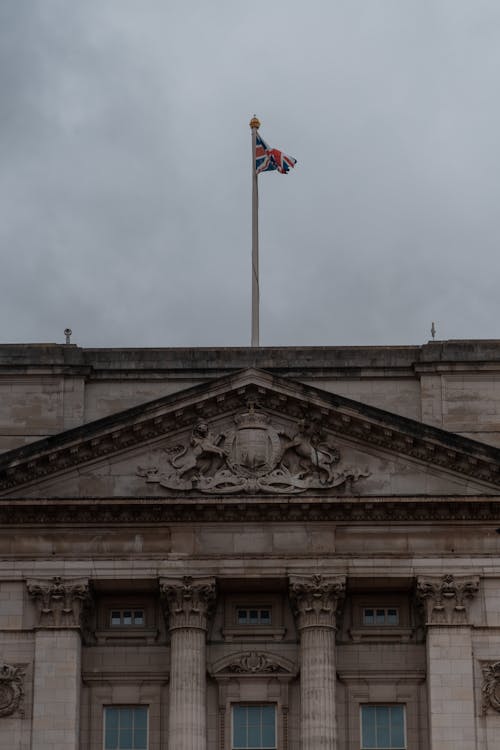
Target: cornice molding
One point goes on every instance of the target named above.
(338, 416)
(135, 511)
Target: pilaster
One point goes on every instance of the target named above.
(188, 602)
(315, 600)
(57, 672)
(450, 677)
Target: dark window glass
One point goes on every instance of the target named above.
(125, 728)
(254, 727)
(383, 728)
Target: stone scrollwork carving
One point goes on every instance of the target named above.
(252, 662)
(446, 598)
(491, 687)
(316, 599)
(188, 601)
(11, 689)
(62, 603)
(252, 457)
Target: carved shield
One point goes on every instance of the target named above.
(254, 447)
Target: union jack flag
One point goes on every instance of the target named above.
(267, 159)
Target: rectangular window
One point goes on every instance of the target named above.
(126, 618)
(253, 616)
(254, 727)
(380, 616)
(125, 728)
(383, 728)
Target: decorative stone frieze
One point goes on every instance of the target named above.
(188, 601)
(446, 598)
(316, 599)
(62, 603)
(491, 687)
(11, 689)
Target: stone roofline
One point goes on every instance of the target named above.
(455, 354)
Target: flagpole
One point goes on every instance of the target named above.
(255, 125)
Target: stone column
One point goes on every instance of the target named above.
(450, 675)
(188, 602)
(57, 670)
(315, 600)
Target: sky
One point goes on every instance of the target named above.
(126, 171)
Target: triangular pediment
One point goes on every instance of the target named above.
(247, 434)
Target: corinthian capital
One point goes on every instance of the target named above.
(446, 598)
(60, 602)
(316, 599)
(188, 601)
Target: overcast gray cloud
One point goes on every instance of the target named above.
(125, 185)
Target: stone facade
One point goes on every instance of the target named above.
(314, 533)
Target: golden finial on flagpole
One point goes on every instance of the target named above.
(255, 123)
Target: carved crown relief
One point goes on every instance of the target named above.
(446, 598)
(491, 687)
(252, 455)
(11, 689)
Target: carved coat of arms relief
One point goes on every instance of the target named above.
(252, 455)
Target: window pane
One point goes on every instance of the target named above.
(392, 617)
(380, 617)
(141, 717)
(116, 618)
(253, 736)
(254, 727)
(368, 616)
(125, 728)
(140, 738)
(382, 719)
(126, 738)
(265, 616)
(111, 737)
(138, 617)
(239, 727)
(268, 735)
(368, 732)
(242, 616)
(397, 727)
(254, 617)
(382, 728)
(127, 617)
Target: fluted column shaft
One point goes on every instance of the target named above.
(316, 600)
(187, 603)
